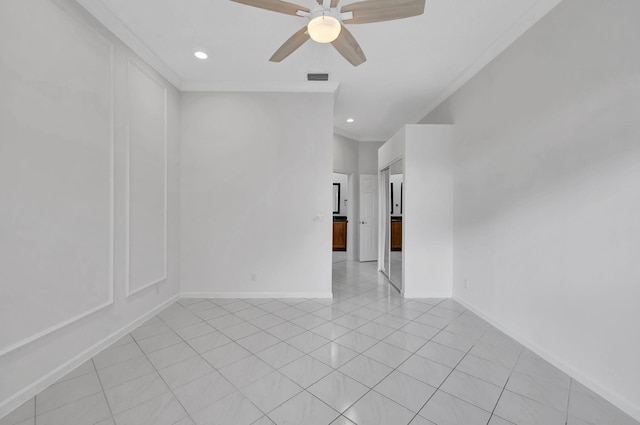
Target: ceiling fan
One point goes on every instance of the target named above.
(327, 23)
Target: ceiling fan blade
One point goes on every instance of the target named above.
(334, 3)
(348, 47)
(382, 10)
(291, 45)
(275, 6)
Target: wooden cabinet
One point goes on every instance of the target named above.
(339, 233)
(396, 235)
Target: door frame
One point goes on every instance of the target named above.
(347, 193)
(376, 194)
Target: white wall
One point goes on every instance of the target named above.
(78, 231)
(345, 155)
(273, 152)
(427, 222)
(427, 228)
(368, 157)
(547, 165)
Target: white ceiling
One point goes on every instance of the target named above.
(412, 64)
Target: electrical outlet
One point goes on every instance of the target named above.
(253, 277)
(317, 218)
(466, 284)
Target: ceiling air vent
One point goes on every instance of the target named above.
(317, 77)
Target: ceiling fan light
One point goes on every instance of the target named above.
(324, 29)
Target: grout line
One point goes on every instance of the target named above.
(506, 382)
(85, 396)
(414, 352)
(566, 417)
(104, 393)
(304, 389)
(127, 380)
(252, 354)
(370, 389)
(163, 380)
(352, 287)
(340, 414)
(198, 354)
(447, 377)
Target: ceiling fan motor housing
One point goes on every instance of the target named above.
(324, 25)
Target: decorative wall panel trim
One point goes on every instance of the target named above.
(70, 14)
(51, 378)
(131, 287)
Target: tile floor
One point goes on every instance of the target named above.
(366, 357)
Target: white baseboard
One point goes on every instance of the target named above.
(418, 294)
(623, 404)
(12, 403)
(43, 383)
(256, 295)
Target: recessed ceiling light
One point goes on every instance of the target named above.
(200, 55)
(350, 120)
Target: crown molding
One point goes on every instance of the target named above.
(344, 133)
(349, 135)
(507, 38)
(262, 87)
(101, 12)
(107, 18)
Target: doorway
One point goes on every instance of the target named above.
(342, 239)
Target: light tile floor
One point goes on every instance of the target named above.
(366, 357)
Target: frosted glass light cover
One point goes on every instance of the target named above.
(324, 29)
